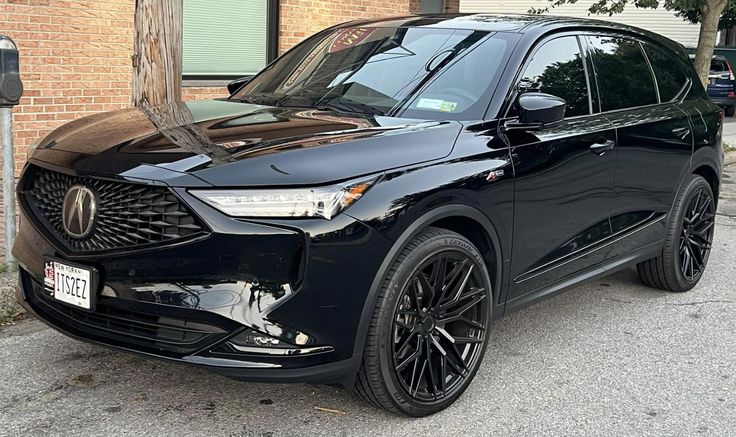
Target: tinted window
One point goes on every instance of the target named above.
(668, 71)
(718, 66)
(624, 77)
(459, 87)
(557, 69)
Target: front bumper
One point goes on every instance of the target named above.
(303, 282)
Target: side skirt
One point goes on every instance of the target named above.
(592, 273)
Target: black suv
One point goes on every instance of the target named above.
(361, 210)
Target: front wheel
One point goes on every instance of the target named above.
(429, 329)
(730, 111)
(688, 242)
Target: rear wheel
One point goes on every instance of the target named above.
(688, 242)
(429, 328)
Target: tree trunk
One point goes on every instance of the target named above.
(157, 66)
(710, 16)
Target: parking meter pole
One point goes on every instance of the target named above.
(11, 90)
(6, 137)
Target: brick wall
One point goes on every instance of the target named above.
(452, 6)
(75, 54)
(199, 93)
(75, 61)
(302, 18)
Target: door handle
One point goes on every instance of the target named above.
(599, 148)
(681, 132)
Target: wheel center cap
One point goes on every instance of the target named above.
(428, 324)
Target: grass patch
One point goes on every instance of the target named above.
(8, 316)
(728, 148)
(3, 268)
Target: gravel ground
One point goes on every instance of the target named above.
(9, 308)
(608, 358)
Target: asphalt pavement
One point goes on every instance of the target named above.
(612, 357)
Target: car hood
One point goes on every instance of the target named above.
(228, 143)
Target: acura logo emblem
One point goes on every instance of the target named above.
(78, 211)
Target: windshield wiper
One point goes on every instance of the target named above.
(342, 104)
(259, 99)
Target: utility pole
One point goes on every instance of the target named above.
(11, 90)
(157, 73)
(157, 63)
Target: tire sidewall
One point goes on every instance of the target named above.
(672, 244)
(394, 288)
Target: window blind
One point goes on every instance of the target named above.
(224, 37)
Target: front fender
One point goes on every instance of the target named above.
(407, 201)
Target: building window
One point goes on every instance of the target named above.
(228, 39)
(431, 6)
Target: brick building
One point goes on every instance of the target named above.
(76, 54)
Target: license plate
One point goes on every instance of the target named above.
(72, 284)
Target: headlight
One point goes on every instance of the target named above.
(324, 202)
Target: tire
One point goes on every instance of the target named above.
(411, 319)
(688, 241)
(730, 110)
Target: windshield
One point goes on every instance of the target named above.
(403, 71)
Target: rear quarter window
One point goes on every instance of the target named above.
(718, 66)
(671, 77)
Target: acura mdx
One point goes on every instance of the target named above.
(361, 210)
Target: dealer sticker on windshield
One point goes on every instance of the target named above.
(437, 105)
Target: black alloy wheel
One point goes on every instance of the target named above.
(439, 326)
(688, 242)
(429, 330)
(697, 234)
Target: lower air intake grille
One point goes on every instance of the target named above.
(147, 331)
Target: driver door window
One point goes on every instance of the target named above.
(557, 68)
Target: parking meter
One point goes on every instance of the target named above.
(11, 88)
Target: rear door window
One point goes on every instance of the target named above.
(718, 66)
(671, 77)
(557, 68)
(624, 77)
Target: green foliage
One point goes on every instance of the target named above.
(693, 14)
(689, 10)
(3, 268)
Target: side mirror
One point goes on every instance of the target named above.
(235, 85)
(537, 110)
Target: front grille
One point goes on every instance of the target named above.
(170, 335)
(128, 215)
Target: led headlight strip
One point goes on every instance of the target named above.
(324, 201)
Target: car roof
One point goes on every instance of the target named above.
(518, 23)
